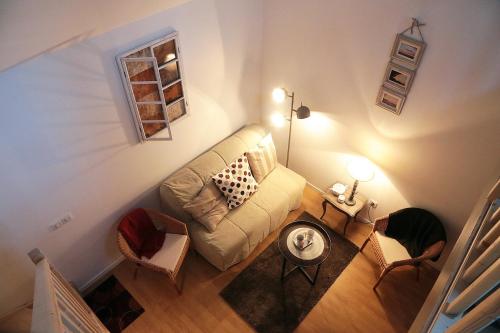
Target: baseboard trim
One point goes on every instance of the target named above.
(86, 287)
(315, 187)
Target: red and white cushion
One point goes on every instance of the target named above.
(236, 182)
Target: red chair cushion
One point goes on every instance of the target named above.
(141, 234)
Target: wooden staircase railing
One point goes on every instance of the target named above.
(57, 306)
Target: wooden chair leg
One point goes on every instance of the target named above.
(364, 244)
(136, 270)
(182, 274)
(384, 273)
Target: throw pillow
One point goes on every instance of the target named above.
(209, 207)
(236, 182)
(263, 158)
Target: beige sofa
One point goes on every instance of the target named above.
(246, 226)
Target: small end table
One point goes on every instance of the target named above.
(350, 211)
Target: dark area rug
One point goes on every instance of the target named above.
(114, 305)
(271, 306)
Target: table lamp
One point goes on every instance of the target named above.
(362, 171)
(303, 112)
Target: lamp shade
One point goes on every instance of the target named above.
(361, 169)
(303, 112)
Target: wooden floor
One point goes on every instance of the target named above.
(350, 305)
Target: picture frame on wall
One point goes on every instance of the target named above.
(390, 100)
(398, 78)
(408, 50)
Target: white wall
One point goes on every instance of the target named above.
(68, 142)
(31, 27)
(442, 150)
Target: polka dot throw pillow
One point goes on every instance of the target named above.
(236, 182)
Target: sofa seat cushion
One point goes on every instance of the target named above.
(226, 246)
(253, 221)
(274, 201)
(392, 250)
(290, 183)
(169, 254)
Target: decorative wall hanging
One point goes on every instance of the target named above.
(398, 78)
(406, 55)
(390, 100)
(153, 79)
(408, 50)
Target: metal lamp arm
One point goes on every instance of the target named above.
(292, 97)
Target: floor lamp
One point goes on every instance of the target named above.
(303, 112)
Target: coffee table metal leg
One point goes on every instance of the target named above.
(308, 277)
(316, 275)
(283, 269)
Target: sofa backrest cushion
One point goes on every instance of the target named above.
(184, 185)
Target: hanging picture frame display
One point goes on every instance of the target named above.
(398, 78)
(408, 50)
(153, 79)
(390, 100)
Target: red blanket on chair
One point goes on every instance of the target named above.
(141, 234)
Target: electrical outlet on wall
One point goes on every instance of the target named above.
(66, 218)
(372, 203)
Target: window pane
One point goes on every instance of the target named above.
(150, 112)
(169, 73)
(165, 52)
(152, 129)
(146, 92)
(141, 71)
(173, 92)
(176, 110)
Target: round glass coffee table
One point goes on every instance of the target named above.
(313, 254)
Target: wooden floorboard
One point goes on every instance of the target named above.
(350, 305)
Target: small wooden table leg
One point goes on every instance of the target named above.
(348, 220)
(324, 208)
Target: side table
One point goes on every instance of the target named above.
(350, 211)
(313, 255)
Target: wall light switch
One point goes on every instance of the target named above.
(66, 218)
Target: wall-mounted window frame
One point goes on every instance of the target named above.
(153, 79)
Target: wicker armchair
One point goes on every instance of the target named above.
(169, 258)
(390, 254)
